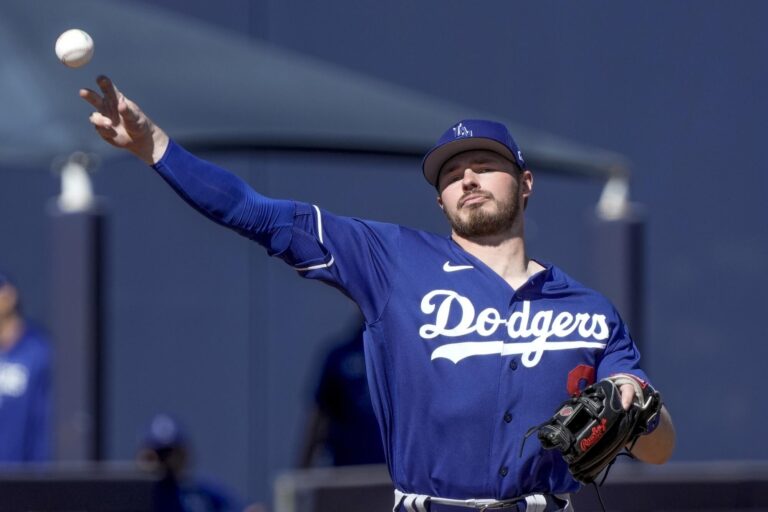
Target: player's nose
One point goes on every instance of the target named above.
(469, 179)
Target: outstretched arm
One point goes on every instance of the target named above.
(215, 192)
(122, 123)
(298, 233)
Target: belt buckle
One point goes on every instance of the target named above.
(499, 505)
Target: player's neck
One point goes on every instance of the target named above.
(504, 254)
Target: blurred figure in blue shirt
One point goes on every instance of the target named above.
(342, 429)
(25, 383)
(165, 450)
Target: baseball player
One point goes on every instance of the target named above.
(25, 383)
(469, 341)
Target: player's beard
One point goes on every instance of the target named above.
(477, 222)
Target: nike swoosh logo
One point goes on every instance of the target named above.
(447, 267)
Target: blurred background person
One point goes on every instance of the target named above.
(165, 450)
(25, 383)
(341, 427)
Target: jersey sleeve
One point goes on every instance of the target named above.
(621, 354)
(226, 199)
(356, 256)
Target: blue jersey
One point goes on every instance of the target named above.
(460, 365)
(25, 375)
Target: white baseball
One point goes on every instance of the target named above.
(74, 48)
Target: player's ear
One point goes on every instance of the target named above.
(526, 184)
(440, 202)
(9, 297)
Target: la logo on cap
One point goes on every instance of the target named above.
(461, 131)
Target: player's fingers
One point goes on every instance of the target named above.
(107, 88)
(627, 395)
(128, 110)
(92, 97)
(119, 98)
(110, 101)
(100, 120)
(106, 132)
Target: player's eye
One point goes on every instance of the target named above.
(451, 177)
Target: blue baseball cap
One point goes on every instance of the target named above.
(163, 432)
(467, 135)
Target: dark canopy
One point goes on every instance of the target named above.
(210, 88)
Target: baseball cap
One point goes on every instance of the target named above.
(164, 431)
(467, 135)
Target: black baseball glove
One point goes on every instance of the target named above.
(592, 428)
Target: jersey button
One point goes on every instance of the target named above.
(503, 471)
(507, 417)
(513, 364)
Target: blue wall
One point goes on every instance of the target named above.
(678, 87)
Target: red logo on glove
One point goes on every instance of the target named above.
(598, 431)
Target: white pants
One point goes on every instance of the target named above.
(533, 503)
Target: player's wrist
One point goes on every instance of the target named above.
(647, 399)
(653, 423)
(160, 142)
